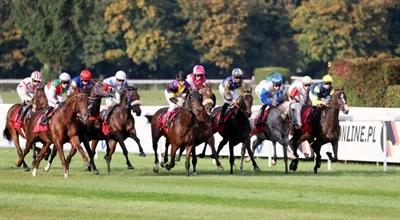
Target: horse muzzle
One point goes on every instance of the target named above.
(345, 109)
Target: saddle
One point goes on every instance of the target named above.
(38, 126)
(228, 115)
(306, 119)
(172, 116)
(261, 128)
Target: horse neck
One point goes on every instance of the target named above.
(94, 106)
(68, 109)
(185, 117)
(331, 117)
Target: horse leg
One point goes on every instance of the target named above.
(165, 155)
(221, 145)
(211, 142)
(92, 166)
(136, 139)
(49, 162)
(275, 157)
(254, 145)
(155, 136)
(94, 146)
(58, 145)
(39, 158)
(294, 144)
(231, 157)
(316, 146)
(247, 144)
(194, 159)
(335, 149)
(171, 163)
(15, 139)
(203, 153)
(285, 156)
(178, 158)
(110, 150)
(187, 162)
(28, 145)
(125, 152)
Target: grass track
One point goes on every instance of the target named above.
(351, 191)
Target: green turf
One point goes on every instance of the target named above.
(351, 191)
(147, 96)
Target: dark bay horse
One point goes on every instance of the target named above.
(91, 130)
(122, 125)
(277, 128)
(327, 130)
(12, 133)
(181, 132)
(204, 130)
(63, 128)
(237, 128)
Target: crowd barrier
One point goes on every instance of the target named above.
(367, 134)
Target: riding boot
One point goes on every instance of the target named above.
(46, 117)
(315, 114)
(168, 118)
(24, 109)
(260, 115)
(221, 119)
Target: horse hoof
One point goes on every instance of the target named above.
(201, 155)
(27, 169)
(18, 163)
(315, 170)
(273, 162)
(47, 168)
(194, 173)
(66, 175)
(162, 164)
(142, 154)
(220, 168)
(177, 159)
(156, 169)
(130, 167)
(34, 172)
(256, 168)
(248, 159)
(96, 172)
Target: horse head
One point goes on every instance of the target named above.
(208, 98)
(40, 99)
(78, 101)
(245, 101)
(131, 99)
(295, 114)
(100, 90)
(339, 101)
(194, 103)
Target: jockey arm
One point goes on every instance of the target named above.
(52, 97)
(314, 93)
(294, 94)
(24, 93)
(227, 94)
(265, 99)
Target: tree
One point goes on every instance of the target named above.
(48, 30)
(215, 28)
(144, 31)
(340, 28)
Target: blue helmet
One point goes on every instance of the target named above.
(277, 78)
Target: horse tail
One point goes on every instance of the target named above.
(7, 134)
(149, 117)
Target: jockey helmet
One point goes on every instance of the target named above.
(86, 75)
(199, 70)
(121, 75)
(306, 80)
(276, 79)
(327, 79)
(180, 76)
(36, 75)
(237, 73)
(64, 77)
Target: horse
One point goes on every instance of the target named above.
(62, 128)
(91, 130)
(10, 132)
(277, 128)
(181, 132)
(326, 130)
(237, 128)
(122, 125)
(204, 130)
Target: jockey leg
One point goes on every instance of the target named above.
(222, 115)
(260, 115)
(24, 109)
(315, 115)
(46, 117)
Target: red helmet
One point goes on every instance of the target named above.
(199, 70)
(86, 75)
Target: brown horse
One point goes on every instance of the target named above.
(63, 128)
(204, 130)
(237, 128)
(181, 132)
(122, 126)
(327, 130)
(10, 132)
(91, 130)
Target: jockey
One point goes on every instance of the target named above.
(298, 92)
(197, 79)
(56, 91)
(176, 93)
(26, 91)
(271, 94)
(117, 83)
(83, 81)
(227, 90)
(321, 93)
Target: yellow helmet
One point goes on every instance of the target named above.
(327, 78)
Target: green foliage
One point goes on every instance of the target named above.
(367, 81)
(262, 72)
(392, 98)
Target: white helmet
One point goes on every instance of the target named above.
(237, 72)
(65, 77)
(37, 76)
(121, 75)
(306, 80)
